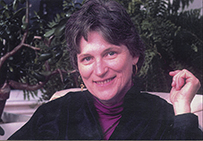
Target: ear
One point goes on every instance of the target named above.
(135, 60)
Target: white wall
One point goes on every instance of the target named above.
(17, 112)
(196, 5)
(18, 105)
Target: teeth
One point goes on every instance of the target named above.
(103, 82)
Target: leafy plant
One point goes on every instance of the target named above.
(173, 39)
(32, 53)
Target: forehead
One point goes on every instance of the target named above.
(94, 40)
(97, 45)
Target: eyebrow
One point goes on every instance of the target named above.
(83, 55)
(103, 52)
(108, 49)
(117, 48)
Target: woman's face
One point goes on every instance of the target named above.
(106, 69)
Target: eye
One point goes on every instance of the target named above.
(111, 53)
(87, 59)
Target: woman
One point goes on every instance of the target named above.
(107, 51)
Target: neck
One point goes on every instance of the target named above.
(113, 101)
(117, 98)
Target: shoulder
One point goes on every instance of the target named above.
(145, 97)
(147, 103)
(50, 117)
(153, 99)
(66, 102)
(158, 107)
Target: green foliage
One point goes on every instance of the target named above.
(11, 32)
(173, 40)
(46, 60)
(56, 29)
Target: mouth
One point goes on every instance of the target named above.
(103, 82)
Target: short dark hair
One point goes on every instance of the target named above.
(108, 17)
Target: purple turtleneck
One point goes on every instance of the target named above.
(109, 117)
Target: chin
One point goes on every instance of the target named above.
(107, 99)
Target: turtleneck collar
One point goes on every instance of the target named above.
(109, 116)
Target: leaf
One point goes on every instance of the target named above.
(45, 56)
(39, 76)
(23, 19)
(36, 15)
(59, 30)
(6, 13)
(15, 4)
(19, 10)
(49, 32)
(24, 26)
(59, 55)
(47, 73)
(58, 16)
(11, 69)
(194, 47)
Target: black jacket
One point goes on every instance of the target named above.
(73, 116)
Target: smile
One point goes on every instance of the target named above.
(104, 81)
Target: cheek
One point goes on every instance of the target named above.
(85, 71)
(123, 65)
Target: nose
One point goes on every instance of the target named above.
(101, 68)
